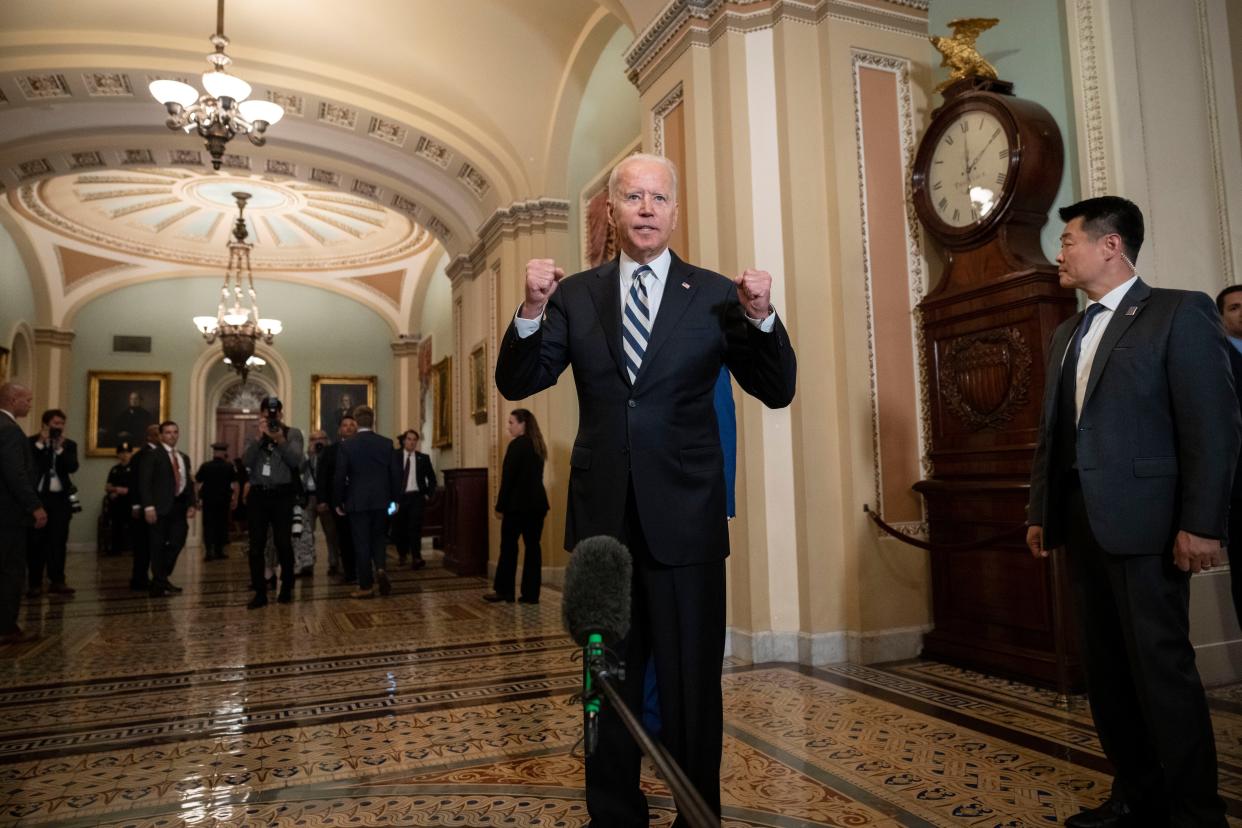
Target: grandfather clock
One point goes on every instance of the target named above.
(985, 176)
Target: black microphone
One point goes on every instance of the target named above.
(595, 609)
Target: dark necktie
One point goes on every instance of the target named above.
(172, 456)
(406, 475)
(1067, 405)
(636, 326)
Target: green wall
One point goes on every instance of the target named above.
(16, 298)
(324, 333)
(1029, 48)
(608, 122)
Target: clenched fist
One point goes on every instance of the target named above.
(542, 276)
(754, 291)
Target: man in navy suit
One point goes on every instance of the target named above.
(418, 485)
(168, 505)
(646, 335)
(1229, 304)
(20, 507)
(367, 482)
(1137, 445)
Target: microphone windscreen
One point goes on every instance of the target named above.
(597, 590)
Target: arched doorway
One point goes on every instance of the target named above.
(237, 413)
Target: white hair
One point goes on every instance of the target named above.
(642, 156)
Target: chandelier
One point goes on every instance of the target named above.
(237, 323)
(223, 111)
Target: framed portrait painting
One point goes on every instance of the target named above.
(120, 406)
(442, 394)
(478, 383)
(334, 397)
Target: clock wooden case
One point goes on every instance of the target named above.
(984, 178)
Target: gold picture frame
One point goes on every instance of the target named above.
(120, 407)
(442, 395)
(333, 395)
(4, 364)
(478, 383)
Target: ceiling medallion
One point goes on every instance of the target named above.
(223, 111)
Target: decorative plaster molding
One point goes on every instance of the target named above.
(1224, 230)
(460, 270)
(914, 260)
(661, 111)
(1090, 100)
(55, 337)
(405, 347)
(529, 216)
(686, 23)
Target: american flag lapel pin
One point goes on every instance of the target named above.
(1132, 310)
(686, 285)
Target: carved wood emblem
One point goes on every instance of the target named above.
(984, 377)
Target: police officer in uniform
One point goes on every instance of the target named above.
(216, 483)
(120, 481)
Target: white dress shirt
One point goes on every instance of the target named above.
(655, 293)
(1091, 339)
(411, 479)
(175, 457)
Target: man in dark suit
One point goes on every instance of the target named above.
(368, 479)
(217, 482)
(417, 487)
(168, 504)
(335, 525)
(56, 457)
(646, 335)
(1229, 304)
(20, 509)
(1137, 445)
(139, 580)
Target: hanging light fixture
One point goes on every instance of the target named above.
(237, 323)
(224, 110)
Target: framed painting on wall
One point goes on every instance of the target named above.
(332, 397)
(4, 364)
(442, 392)
(120, 406)
(478, 383)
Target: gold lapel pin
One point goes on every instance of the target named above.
(1132, 310)
(686, 285)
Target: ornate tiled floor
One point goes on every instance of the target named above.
(431, 707)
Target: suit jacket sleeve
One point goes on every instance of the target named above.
(508, 472)
(1205, 415)
(395, 481)
(15, 466)
(426, 475)
(340, 476)
(67, 461)
(527, 366)
(146, 478)
(762, 363)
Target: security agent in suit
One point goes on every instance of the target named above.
(368, 478)
(139, 580)
(168, 505)
(1229, 304)
(20, 508)
(646, 465)
(56, 457)
(217, 484)
(1137, 445)
(417, 486)
(336, 525)
(274, 458)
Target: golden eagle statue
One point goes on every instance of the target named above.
(960, 55)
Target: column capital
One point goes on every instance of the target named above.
(406, 346)
(56, 337)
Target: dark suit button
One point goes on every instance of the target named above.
(633, 403)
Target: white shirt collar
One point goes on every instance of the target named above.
(1113, 298)
(659, 267)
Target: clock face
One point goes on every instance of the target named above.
(969, 167)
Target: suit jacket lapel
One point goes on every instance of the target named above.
(1056, 363)
(673, 304)
(1122, 319)
(606, 293)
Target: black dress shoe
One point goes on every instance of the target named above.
(1112, 813)
(417, 563)
(494, 598)
(259, 600)
(171, 587)
(284, 597)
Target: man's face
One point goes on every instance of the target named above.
(348, 428)
(1082, 260)
(318, 437)
(643, 209)
(409, 442)
(347, 402)
(169, 435)
(21, 402)
(153, 433)
(135, 399)
(1231, 316)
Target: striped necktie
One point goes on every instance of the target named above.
(636, 326)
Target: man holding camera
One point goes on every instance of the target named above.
(56, 457)
(274, 457)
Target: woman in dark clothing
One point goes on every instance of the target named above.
(522, 504)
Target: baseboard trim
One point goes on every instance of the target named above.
(817, 649)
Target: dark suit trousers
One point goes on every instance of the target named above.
(142, 552)
(529, 527)
(677, 616)
(13, 541)
(215, 524)
(1145, 693)
(408, 525)
(270, 509)
(47, 547)
(370, 543)
(166, 539)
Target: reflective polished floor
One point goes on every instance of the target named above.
(431, 707)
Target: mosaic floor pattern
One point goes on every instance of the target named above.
(433, 708)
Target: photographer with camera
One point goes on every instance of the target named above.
(56, 457)
(274, 457)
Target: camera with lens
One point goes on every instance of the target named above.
(55, 433)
